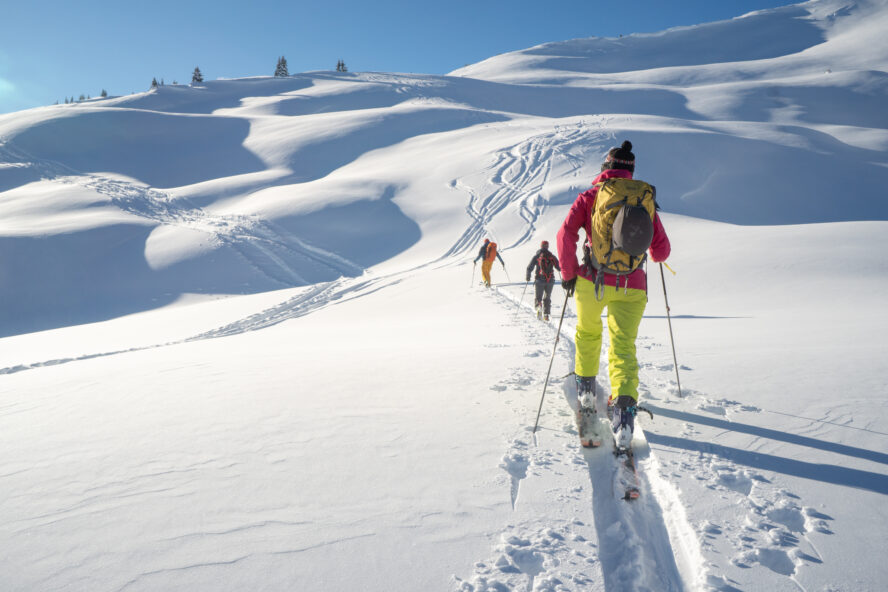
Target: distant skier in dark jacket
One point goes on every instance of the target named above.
(545, 264)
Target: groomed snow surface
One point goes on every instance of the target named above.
(243, 345)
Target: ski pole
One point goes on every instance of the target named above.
(474, 264)
(522, 298)
(507, 273)
(552, 359)
(669, 319)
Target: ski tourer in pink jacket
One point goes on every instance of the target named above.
(580, 216)
(625, 303)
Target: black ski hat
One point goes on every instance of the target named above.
(620, 158)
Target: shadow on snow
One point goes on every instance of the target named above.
(826, 473)
(770, 434)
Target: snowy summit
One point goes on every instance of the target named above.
(244, 346)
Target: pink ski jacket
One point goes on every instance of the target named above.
(580, 216)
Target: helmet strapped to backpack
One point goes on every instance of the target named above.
(622, 226)
(633, 230)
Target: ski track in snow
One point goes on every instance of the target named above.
(770, 524)
(258, 242)
(648, 544)
(516, 179)
(314, 298)
(644, 545)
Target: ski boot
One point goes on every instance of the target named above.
(539, 310)
(624, 410)
(587, 417)
(546, 317)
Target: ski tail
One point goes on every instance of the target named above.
(627, 485)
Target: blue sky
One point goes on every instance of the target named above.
(52, 49)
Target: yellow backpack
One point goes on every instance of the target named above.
(622, 225)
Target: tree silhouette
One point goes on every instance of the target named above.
(281, 70)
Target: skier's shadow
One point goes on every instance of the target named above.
(826, 473)
(770, 434)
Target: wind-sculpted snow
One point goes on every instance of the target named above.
(377, 130)
(756, 36)
(753, 181)
(312, 299)
(212, 95)
(274, 259)
(797, 35)
(158, 149)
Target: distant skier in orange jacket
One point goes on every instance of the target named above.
(488, 253)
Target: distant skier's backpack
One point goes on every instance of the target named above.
(546, 265)
(491, 252)
(622, 226)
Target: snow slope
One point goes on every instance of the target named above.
(243, 346)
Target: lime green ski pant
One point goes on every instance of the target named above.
(624, 311)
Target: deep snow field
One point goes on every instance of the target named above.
(243, 345)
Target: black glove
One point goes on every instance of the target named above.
(528, 278)
(569, 285)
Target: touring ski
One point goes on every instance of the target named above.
(627, 486)
(626, 483)
(588, 428)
